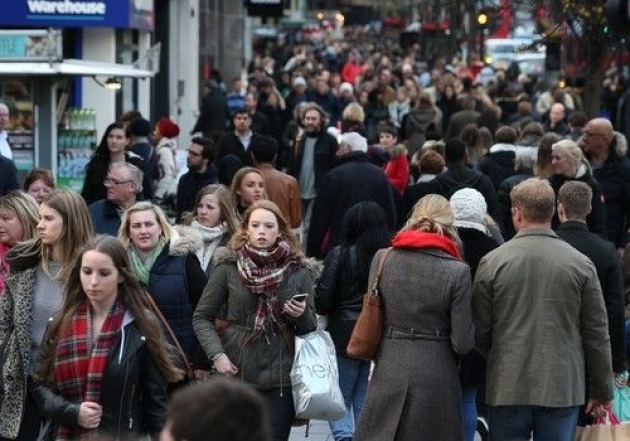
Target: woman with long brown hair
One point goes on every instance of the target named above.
(263, 279)
(106, 365)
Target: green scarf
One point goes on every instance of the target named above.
(142, 263)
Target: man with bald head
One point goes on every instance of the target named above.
(5, 148)
(556, 122)
(611, 168)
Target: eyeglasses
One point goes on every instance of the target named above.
(108, 182)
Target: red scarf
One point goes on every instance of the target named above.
(80, 363)
(421, 239)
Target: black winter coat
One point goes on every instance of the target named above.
(614, 178)
(339, 294)
(505, 202)
(213, 115)
(476, 245)
(354, 180)
(604, 257)
(596, 220)
(176, 282)
(447, 183)
(230, 144)
(325, 150)
(188, 187)
(498, 166)
(134, 392)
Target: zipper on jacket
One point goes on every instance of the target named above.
(120, 407)
(133, 393)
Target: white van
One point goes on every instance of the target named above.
(500, 52)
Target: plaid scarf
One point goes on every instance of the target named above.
(262, 271)
(80, 362)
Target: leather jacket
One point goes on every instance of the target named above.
(133, 394)
(339, 295)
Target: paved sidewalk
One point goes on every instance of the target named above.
(319, 431)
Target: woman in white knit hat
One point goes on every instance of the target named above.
(470, 209)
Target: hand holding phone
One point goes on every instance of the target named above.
(300, 297)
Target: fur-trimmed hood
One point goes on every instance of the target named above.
(502, 147)
(184, 240)
(225, 254)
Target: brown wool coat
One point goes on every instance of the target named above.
(414, 393)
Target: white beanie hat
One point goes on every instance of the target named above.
(470, 209)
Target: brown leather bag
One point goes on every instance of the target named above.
(367, 332)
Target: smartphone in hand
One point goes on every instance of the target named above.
(300, 297)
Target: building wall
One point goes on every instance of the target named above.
(99, 44)
(221, 38)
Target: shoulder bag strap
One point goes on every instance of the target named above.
(157, 312)
(379, 270)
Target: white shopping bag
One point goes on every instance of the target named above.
(315, 378)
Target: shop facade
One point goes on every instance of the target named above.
(55, 60)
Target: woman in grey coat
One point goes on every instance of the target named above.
(414, 393)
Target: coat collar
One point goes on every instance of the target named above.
(572, 226)
(536, 231)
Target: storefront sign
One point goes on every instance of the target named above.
(125, 14)
(30, 45)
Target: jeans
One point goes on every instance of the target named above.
(281, 410)
(628, 337)
(516, 423)
(353, 380)
(469, 411)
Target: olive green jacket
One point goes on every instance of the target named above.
(266, 362)
(540, 316)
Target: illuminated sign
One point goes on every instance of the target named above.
(125, 14)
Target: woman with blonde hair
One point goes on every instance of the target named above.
(166, 266)
(569, 164)
(34, 293)
(263, 279)
(106, 363)
(414, 392)
(353, 119)
(18, 222)
(213, 219)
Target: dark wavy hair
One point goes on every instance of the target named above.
(364, 227)
(102, 150)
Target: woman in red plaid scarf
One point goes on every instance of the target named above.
(106, 363)
(258, 277)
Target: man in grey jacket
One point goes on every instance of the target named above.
(540, 318)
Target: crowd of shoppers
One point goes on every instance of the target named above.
(484, 192)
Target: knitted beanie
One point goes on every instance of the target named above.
(469, 207)
(168, 128)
